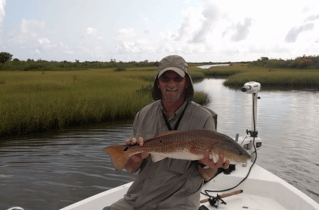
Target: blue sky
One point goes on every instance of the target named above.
(207, 30)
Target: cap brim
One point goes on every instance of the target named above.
(177, 70)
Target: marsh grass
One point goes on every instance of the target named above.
(240, 73)
(276, 77)
(32, 101)
(201, 98)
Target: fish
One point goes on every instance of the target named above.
(185, 145)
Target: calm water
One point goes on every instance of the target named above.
(50, 171)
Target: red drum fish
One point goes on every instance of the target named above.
(186, 145)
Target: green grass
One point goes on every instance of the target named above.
(32, 101)
(276, 77)
(239, 73)
(201, 98)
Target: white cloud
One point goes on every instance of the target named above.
(32, 27)
(91, 31)
(44, 41)
(28, 33)
(125, 33)
(2, 15)
(211, 15)
(192, 24)
(312, 18)
(295, 31)
(213, 30)
(242, 30)
(2, 11)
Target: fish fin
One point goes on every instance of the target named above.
(196, 151)
(167, 133)
(157, 157)
(118, 155)
(215, 157)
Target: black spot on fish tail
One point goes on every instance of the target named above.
(125, 149)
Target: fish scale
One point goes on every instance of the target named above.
(186, 145)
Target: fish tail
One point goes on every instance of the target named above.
(118, 155)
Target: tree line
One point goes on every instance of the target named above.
(303, 62)
(7, 64)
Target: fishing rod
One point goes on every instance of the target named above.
(246, 142)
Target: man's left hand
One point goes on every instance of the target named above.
(210, 172)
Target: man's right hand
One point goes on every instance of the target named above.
(134, 162)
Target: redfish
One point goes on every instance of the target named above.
(186, 145)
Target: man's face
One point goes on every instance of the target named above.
(172, 86)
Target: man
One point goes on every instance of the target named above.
(169, 183)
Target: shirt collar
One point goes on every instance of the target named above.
(177, 113)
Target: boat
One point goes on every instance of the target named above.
(261, 190)
(252, 186)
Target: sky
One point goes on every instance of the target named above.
(138, 30)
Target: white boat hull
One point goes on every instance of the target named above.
(261, 190)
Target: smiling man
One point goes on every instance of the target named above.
(169, 183)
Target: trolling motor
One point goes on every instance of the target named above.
(251, 139)
(251, 143)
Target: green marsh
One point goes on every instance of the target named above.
(32, 101)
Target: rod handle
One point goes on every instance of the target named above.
(231, 193)
(204, 200)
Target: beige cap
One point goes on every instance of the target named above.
(174, 63)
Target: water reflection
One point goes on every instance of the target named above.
(54, 170)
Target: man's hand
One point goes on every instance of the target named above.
(135, 161)
(210, 172)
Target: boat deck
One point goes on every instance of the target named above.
(245, 201)
(262, 190)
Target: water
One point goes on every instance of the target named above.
(211, 65)
(50, 171)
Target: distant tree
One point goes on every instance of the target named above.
(4, 57)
